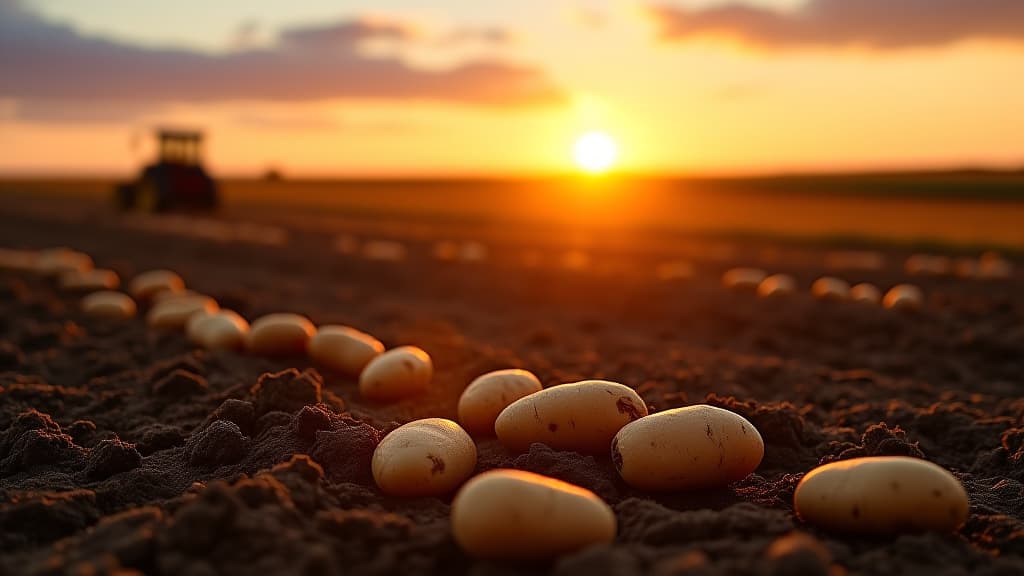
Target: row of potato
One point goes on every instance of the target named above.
(989, 266)
(515, 514)
(901, 296)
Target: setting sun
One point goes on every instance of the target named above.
(595, 152)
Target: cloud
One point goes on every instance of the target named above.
(46, 61)
(878, 24)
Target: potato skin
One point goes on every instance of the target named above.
(581, 416)
(109, 304)
(743, 278)
(866, 293)
(686, 448)
(148, 284)
(396, 374)
(174, 314)
(429, 457)
(776, 285)
(344, 349)
(280, 334)
(486, 396)
(882, 495)
(221, 330)
(513, 514)
(830, 288)
(903, 297)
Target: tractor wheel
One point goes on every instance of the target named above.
(124, 197)
(149, 197)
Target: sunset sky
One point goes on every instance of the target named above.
(401, 87)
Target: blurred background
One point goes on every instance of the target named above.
(811, 118)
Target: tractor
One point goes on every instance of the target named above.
(176, 182)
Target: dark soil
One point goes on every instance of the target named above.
(125, 449)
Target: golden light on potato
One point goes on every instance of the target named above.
(581, 416)
(429, 457)
(882, 495)
(519, 515)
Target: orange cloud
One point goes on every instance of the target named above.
(42, 61)
(878, 24)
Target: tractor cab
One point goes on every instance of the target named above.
(179, 147)
(176, 181)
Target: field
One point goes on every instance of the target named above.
(108, 462)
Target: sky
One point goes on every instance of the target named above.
(463, 87)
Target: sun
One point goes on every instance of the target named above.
(595, 152)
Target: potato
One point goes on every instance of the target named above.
(830, 288)
(109, 304)
(582, 416)
(517, 515)
(396, 374)
(866, 293)
(904, 297)
(280, 335)
(219, 330)
(384, 250)
(343, 349)
(90, 280)
(430, 457)
(776, 285)
(992, 266)
(743, 278)
(927, 265)
(55, 262)
(18, 260)
(686, 448)
(174, 313)
(148, 284)
(488, 395)
(882, 495)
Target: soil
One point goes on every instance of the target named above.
(125, 450)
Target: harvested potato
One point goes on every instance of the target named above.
(280, 334)
(430, 457)
(927, 265)
(992, 266)
(384, 250)
(776, 285)
(582, 416)
(55, 262)
(89, 280)
(866, 293)
(343, 349)
(174, 313)
(904, 297)
(830, 288)
(512, 514)
(219, 330)
(18, 260)
(488, 395)
(685, 448)
(396, 374)
(148, 284)
(743, 278)
(882, 495)
(109, 304)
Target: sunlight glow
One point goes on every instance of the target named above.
(595, 152)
